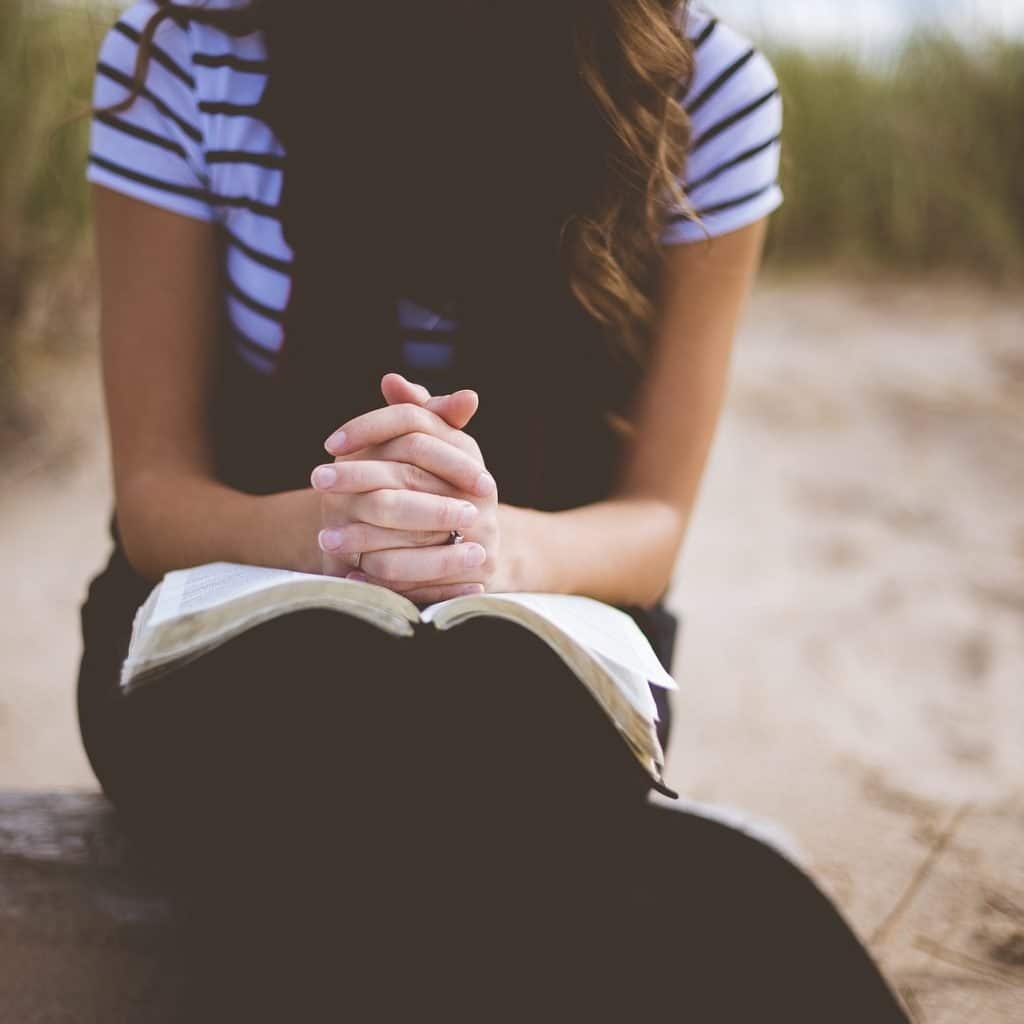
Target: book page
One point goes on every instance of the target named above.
(193, 611)
(634, 687)
(600, 628)
(196, 590)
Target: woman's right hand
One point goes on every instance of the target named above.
(409, 491)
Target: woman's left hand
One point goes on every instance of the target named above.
(423, 435)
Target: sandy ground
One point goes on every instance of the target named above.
(853, 587)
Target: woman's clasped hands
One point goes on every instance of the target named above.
(405, 476)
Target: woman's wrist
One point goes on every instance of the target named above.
(280, 531)
(595, 550)
(525, 565)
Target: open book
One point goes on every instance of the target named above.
(195, 610)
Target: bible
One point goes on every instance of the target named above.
(193, 611)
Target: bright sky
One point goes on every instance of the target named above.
(860, 24)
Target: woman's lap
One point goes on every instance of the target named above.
(375, 794)
(483, 711)
(451, 821)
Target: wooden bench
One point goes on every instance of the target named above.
(84, 936)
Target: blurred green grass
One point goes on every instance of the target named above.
(47, 56)
(910, 166)
(916, 165)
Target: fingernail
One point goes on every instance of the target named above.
(485, 485)
(359, 577)
(475, 556)
(330, 540)
(336, 441)
(468, 514)
(324, 477)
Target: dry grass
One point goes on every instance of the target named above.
(912, 166)
(46, 66)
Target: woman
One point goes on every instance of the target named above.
(561, 206)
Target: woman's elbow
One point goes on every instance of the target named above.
(664, 527)
(140, 514)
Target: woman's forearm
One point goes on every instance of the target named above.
(171, 522)
(621, 551)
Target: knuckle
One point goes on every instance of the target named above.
(449, 514)
(466, 443)
(414, 417)
(361, 476)
(416, 478)
(386, 503)
(378, 564)
(348, 475)
(372, 565)
(454, 562)
(417, 444)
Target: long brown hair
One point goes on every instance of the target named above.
(635, 61)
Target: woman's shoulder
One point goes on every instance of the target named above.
(201, 76)
(727, 67)
(732, 99)
(191, 47)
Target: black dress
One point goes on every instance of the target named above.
(359, 828)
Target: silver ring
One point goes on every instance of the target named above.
(455, 537)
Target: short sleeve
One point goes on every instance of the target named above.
(153, 149)
(732, 173)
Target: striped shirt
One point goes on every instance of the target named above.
(193, 143)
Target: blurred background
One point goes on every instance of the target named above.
(853, 585)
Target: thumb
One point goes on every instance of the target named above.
(396, 390)
(456, 409)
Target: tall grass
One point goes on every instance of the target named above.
(913, 166)
(47, 57)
